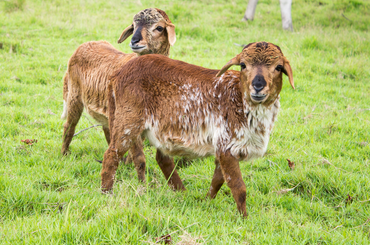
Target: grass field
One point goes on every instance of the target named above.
(323, 127)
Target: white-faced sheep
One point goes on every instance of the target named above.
(191, 111)
(93, 63)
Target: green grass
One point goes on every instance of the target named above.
(324, 127)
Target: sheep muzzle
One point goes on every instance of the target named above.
(135, 40)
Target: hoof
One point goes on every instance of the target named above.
(106, 191)
(66, 152)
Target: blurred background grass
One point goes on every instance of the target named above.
(323, 127)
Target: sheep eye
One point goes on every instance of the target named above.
(159, 28)
(279, 68)
(242, 65)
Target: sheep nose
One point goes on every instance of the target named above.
(258, 87)
(137, 36)
(258, 83)
(135, 40)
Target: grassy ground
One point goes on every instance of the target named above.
(324, 127)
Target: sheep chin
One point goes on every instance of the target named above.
(138, 49)
(259, 98)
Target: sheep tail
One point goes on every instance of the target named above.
(65, 96)
(111, 106)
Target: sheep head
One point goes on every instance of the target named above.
(153, 32)
(262, 65)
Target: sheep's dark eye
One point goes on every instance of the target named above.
(279, 68)
(242, 65)
(159, 28)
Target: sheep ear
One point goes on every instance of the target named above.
(171, 33)
(126, 33)
(233, 61)
(288, 71)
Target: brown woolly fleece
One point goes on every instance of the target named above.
(85, 83)
(191, 111)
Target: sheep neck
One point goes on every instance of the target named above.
(251, 137)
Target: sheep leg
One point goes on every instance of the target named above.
(119, 145)
(168, 168)
(111, 160)
(138, 157)
(107, 134)
(217, 181)
(128, 159)
(233, 177)
(75, 108)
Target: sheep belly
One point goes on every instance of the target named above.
(250, 146)
(177, 146)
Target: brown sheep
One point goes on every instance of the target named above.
(93, 63)
(191, 111)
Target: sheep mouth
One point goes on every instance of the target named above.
(258, 97)
(137, 48)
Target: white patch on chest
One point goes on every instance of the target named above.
(252, 137)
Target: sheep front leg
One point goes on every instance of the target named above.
(233, 177)
(217, 181)
(168, 168)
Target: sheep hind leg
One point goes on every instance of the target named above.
(138, 157)
(217, 181)
(75, 108)
(106, 134)
(168, 168)
(129, 158)
(120, 143)
(111, 160)
(112, 157)
(233, 177)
